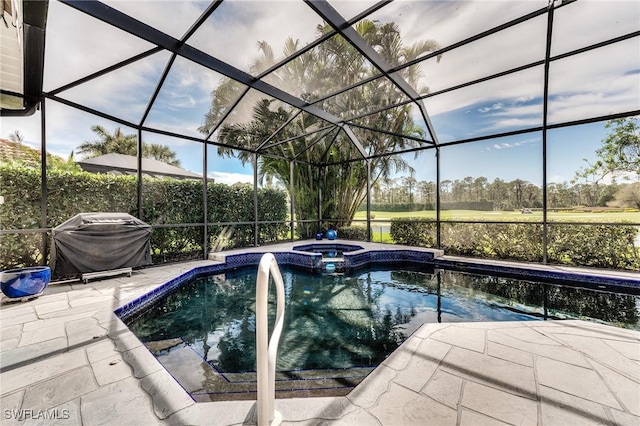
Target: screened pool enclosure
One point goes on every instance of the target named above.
(479, 127)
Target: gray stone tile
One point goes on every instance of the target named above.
(591, 329)
(167, 395)
(93, 300)
(84, 331)
(45, 308)
(556, 352)
(509, 354)
(114, 325)
(12, 332)
(295, 410)
(42, 370)
(126, 341)
(142, 361)
(67, 414)
(561, 408)
(458, 335)
(53, 392)
(12, 401)
(444, 388)
(372, 387)
(9, 344)
(529, 335)
(87, 310)
(112, 369)
(471, 418)
(23, 356)
(494, 372)
(36, 325)
(57, 289)
(215, 413)
(630, 350)
(359, 417)
(422, 364)
(500, 405)
(105, 317)
(428, 329)
(582, 382)
(402, 406)
(401, 356)
(119, 403)
(10, 405)
(100, 350)
(624, 419)
(42, 334)
(602, 352)
(83, 291)
(626, 390)
(19, 319)
(14, 309)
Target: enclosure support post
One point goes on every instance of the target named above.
(205, 202)
(291, 199)
(438, 240)
(545, 110)
(139, 175)
(255, 199)
(369, 200)
(43, 180)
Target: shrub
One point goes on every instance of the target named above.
(164, 202)
(604, 246)
(357, 233)
(414, 232)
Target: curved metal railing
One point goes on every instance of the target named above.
(267, 352)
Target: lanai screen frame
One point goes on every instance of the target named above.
(179, 47)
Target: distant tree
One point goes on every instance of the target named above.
(16, 136)
(121, 143)
(627, 196)
(620, 151)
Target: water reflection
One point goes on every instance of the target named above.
(342, 321)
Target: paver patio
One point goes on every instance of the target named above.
(67, 355)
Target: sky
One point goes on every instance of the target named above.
(602, 81)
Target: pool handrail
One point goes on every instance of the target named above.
(267, 352)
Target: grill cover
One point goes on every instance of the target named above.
(94, 242)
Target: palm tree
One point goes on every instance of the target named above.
(16, 136)
(121, 143)
(329, 67)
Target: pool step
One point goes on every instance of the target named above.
(205, 383)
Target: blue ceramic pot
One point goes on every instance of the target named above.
(25, 282)
(319, 236)
(332, 234)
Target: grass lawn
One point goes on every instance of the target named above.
(505, 216)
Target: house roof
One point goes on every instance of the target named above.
(128, 165)
(10, 150)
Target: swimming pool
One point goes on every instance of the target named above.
(338, 327)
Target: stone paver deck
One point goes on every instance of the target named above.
(66, 355)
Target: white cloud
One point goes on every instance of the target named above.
(493, 107)
(230, 178)
(590, 84)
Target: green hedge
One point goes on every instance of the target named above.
(356, 233)
(581, 245)
(165, 201)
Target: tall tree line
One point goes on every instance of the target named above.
(505, 195)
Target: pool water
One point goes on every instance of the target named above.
(354, 321)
